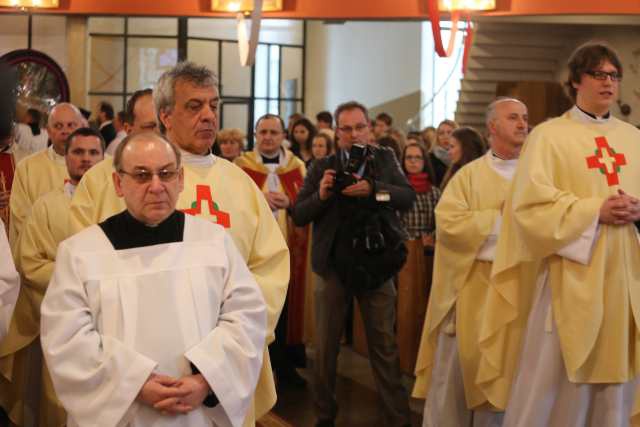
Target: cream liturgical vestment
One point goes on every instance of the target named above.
(35, 175)
(44, 229)
(469, 221)
(220, 192)
(569, 166)
(112, 317)
(9, 283)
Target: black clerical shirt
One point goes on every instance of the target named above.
(126, 232)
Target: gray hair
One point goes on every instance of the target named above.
(164, 92)
(491, 109)
(147, 136)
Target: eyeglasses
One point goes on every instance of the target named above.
(144, 176)
(358, 128)
(410, 158)
(602, 75)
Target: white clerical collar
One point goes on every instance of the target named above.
(578, 114)
(55, 156)
(69, 189)
(280, 155)
(504, 168)
(197, 159)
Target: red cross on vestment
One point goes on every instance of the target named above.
(607, 161)
(203, 195)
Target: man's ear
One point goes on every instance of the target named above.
(117, 183)
(181, 180)
(165, 119)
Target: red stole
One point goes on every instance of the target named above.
(298, 242)
(7, 169)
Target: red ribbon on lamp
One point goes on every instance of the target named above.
(434, 17)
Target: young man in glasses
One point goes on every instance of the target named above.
(29, 390)
(186, 102)
(572, 208)
(138, 327)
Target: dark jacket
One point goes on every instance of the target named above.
(108, 133)
(439, 169)
(328, 214)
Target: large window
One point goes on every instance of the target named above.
(441, 77)
(128, 54)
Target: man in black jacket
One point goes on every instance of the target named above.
(380, 187)
(105, 120)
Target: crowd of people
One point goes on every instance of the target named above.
(154, 271)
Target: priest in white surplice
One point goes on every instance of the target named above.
(152, 317)
(9, 283)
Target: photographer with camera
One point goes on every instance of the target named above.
(352, 198)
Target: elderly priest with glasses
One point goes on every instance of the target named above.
(152, 317)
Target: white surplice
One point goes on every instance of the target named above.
(111, 318)
(9, 283)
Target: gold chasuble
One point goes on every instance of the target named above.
(219, 191)
(467, 214)
(35, 175)
(7, 170)
(291, 173)
(567, 169)
(44, 229)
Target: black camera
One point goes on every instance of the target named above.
(345, 176)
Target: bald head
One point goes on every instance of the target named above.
(152, 140)
(64, 118)
(491, 109)
(507, 124)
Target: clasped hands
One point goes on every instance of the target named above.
(620, 209)
(277, 200)
(173, 396)
(361, 188)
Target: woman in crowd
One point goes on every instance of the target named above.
(428, 135)
(230, 143)
(419, 221)
(465, 145)
(303, 132)
(321, 146)
(439, 153)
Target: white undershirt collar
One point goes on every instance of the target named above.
(191, 159)
(504, 168)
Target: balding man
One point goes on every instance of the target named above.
(155, 333)
(449, 369)
(186, 101)
(43, 171)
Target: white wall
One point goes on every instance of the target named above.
(371, 62)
